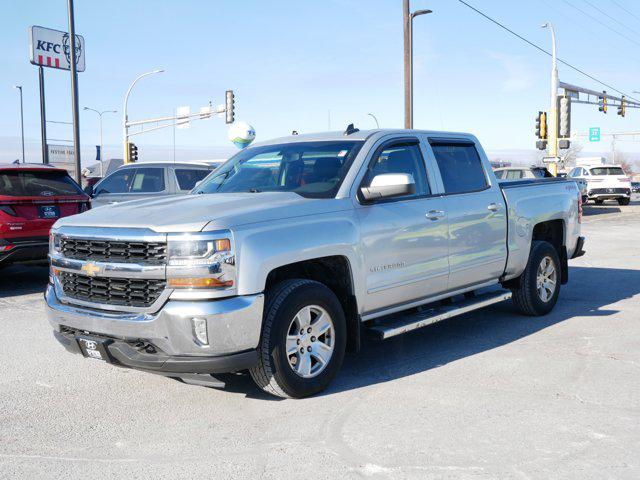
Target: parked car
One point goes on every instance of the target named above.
(521, 173)
(282, 258)
(135, 181)
(604, 182)
(635, 187)
(32, 198)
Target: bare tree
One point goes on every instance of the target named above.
(568, 158)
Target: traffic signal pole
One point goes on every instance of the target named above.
(552, 131)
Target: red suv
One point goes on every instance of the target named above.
(32, 198)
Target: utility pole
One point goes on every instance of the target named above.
(19, 87)
(408, 17)
(552, 130)
(74, 93)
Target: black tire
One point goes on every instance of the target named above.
(526, 297)
(273, 372)
(598, 202)
(624, 201)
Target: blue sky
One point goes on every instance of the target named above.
(291, 62)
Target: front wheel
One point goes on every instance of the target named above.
(539, 285)
(303, 339)
(624, 201)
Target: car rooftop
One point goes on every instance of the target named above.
(29, 166)
(200, 163)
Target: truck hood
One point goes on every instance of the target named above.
(191, 213)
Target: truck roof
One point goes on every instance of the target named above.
(212, 163)
(359, 135)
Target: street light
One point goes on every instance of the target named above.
(19, 87)
(408, 61)
(553, 109)
(125, 118)
(100, 115)
(374, 117)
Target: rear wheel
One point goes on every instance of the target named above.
(624, 201)
(539, 285)
(303, 339)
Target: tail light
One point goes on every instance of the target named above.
(579, 207)
(5, 248)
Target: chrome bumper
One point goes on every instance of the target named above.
(233, 324)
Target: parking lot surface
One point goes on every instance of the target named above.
(490, 394)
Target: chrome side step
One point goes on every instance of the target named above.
(399, 324)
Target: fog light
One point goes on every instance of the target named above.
(200, 330)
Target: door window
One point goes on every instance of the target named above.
(117, 182)
(188, 177)
(460, 167)
(401, 158)
(514, 174)
(148, 180)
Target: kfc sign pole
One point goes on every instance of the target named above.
(52, 49)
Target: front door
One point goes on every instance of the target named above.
(404, 240)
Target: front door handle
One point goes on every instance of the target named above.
(493, 207)
(435, 214)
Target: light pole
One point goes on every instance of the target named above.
(19, 87)
(408, 17)
(100, 115)
(553, 109)
(125, 118)
(374, 117)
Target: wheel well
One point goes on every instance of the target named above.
(335, 273)
(553, 232)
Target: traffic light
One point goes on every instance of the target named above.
(541, 125)
(622, 108)
(564, 110)
(602, 101)
(230, 103)
(133, 152)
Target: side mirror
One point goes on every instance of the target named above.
(89, 190)
(389, 185)
(197, 184)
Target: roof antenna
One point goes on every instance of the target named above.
(351, 129)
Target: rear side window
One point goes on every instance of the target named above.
(460, 167)
(40, 183)
(514, 174)
(147, 180)
(188, 177)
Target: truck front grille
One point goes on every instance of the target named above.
(114, 251)
(128, 292)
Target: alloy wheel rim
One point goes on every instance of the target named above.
(310, 341)
(546, 279)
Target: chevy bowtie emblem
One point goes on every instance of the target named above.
(91, 269)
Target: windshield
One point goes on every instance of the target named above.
(37, 183)
(310, 169)
(607, 171)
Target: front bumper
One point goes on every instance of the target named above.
(165, 341)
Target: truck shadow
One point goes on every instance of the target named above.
(590, 210)
(588, 293)
(23, 280)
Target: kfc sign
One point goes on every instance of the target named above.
(51, 48)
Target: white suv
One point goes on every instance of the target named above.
(605, 182)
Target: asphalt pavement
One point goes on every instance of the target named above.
(488, 395)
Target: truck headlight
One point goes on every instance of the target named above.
(201, 260)
(54, 242)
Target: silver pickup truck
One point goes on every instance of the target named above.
(281, 260)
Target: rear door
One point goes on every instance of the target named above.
(476, 211)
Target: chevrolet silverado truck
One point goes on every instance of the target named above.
(284, 257)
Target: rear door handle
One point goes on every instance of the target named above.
(493, 207)
(435, 214)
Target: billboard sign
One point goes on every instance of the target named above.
(61, 156)
(51, 48)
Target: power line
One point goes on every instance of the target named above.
(597, 20)
(538, 47)
(623, 8)
(609, 16)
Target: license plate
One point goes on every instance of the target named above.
(49, 211)
(92, 347)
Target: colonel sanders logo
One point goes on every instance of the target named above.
(67, 48)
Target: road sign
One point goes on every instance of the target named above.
(594, 134)
(183, 117)
(51, 48)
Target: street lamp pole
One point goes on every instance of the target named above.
(374, 117)
(408, 17)
(101, 147)
(125, 117)
(19, 87)
(552, 131)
